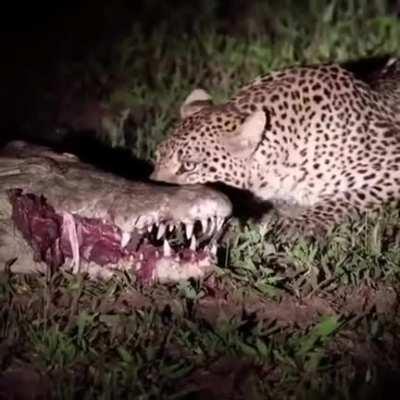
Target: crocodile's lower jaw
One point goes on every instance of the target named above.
(63, 240)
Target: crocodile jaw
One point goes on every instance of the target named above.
(60, 238)
(101, 220)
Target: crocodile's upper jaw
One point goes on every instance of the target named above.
(68, 211)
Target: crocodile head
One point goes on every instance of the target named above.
(76, 216)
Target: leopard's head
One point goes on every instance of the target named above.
(210, 143)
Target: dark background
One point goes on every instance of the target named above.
(38, 37)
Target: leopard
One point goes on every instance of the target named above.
(316, 137)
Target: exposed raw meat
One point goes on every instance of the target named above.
(74, 219)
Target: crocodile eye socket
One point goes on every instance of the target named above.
(189, 166)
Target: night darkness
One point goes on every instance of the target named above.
(280, 317)
(37, 39)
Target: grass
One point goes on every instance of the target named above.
(273, 322)
(303, 320)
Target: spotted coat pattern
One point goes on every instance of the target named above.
(313, 136)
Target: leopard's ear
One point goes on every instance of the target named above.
(196, 100)
(249, 135)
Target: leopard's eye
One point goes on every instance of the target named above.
(188, 166)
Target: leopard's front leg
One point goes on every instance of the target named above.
(316, 221)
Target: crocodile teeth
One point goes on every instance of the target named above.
(171, 227)
(125, 238)
(149, 228)
(138, 265)
(167, 251)
(161, 231)
(144, 222)
(193, 243)
(139, 222)
(214, 249)
(189, 230)
(204, 225)
(220, 222)
(212, 226)
(141, 256)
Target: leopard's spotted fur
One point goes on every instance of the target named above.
(314, 136)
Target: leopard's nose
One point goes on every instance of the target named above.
(160, 174)
(154, 176)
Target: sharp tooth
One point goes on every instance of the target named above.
(141, 256)
(140, 222)
(138, 265)
(193, 243)
(189, 230)
(125, 238)
(220, 222)
(171, 227)
(214, 249)
(149, 228)
(204, 225)
(161, 231)
(212, 226)
(167, 251)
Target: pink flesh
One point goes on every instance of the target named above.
(56, 236)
